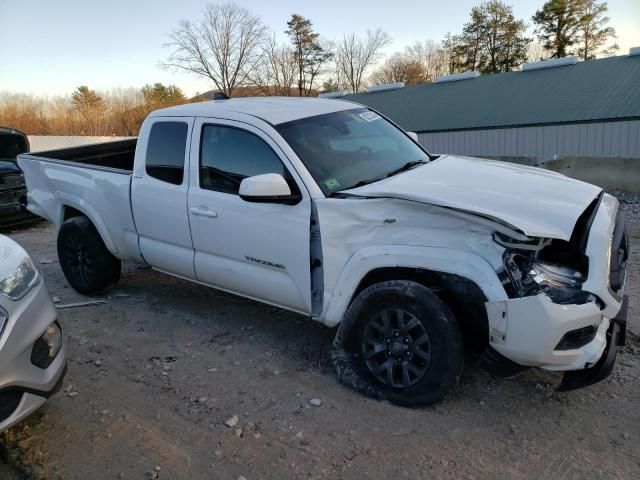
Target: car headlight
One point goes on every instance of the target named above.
(561, 284)
(21, 281)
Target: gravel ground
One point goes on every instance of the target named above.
(173, 380)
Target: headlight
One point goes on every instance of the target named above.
(561, 284)
(20, 282)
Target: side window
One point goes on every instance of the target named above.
(165, 151)
(228, 155)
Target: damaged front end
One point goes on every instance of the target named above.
(555, 267)
(554, 319)
(526, 274)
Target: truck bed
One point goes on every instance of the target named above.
(117, 155)
(94, 180)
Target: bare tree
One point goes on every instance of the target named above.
(453, 53)
(430, 56)
(126, 107)
(277, 70)
(536, 52)
(225, 46)
(399, 68)
(356, 54)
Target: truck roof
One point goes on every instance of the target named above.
(274, 110)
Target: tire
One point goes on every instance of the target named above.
(87, 264)
(413, 358)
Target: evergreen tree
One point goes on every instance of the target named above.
(309, 54)
(493, 40)
(594, 31)
(558, 25)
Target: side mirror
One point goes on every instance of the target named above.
(267, 188)
(413, 136)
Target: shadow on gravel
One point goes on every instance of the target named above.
(213, 318)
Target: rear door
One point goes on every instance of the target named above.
(159, 195)
(258, 250)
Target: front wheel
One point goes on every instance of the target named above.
(87, 264)
(400, 342)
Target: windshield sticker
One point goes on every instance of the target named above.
(332, 183)
(369, 116)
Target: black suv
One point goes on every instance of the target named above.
(13, 191)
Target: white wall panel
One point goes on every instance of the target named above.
(606, 139)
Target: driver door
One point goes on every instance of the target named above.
(258, 250)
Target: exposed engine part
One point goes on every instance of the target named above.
(517, 268)
(562, 284)
(555, 267)
(526, 276)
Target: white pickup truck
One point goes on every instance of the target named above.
(326, 208)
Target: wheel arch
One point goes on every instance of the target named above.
(449, 273)
(69, 208)
(470, 313)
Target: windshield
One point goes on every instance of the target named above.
(345, 149)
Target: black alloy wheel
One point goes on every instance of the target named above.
(396, 348)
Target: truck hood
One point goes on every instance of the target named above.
(537, 202)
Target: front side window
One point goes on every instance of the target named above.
(165, 151)
(345, 149)
(228, 155)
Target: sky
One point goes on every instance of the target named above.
(50, 47)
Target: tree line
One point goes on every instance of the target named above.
(119, 112)
(238, 55)
(232, 48)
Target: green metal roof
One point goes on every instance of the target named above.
(598, 90)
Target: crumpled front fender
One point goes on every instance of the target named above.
(437, 259)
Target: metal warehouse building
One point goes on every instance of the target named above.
(553, 108)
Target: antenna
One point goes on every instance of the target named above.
(220, 96)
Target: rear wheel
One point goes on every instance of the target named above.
(87, 264)
(400, 342)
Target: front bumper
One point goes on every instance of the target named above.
(580, 338)
(616, 336)
(24, 387)
(528, 331)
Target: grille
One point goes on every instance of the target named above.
(9, 401)
(13, 194)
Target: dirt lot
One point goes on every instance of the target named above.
(155, 372)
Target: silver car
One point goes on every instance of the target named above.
(32, 352)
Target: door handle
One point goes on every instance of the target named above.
(203, 211)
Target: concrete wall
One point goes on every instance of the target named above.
(607, 139)
(610, 173)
